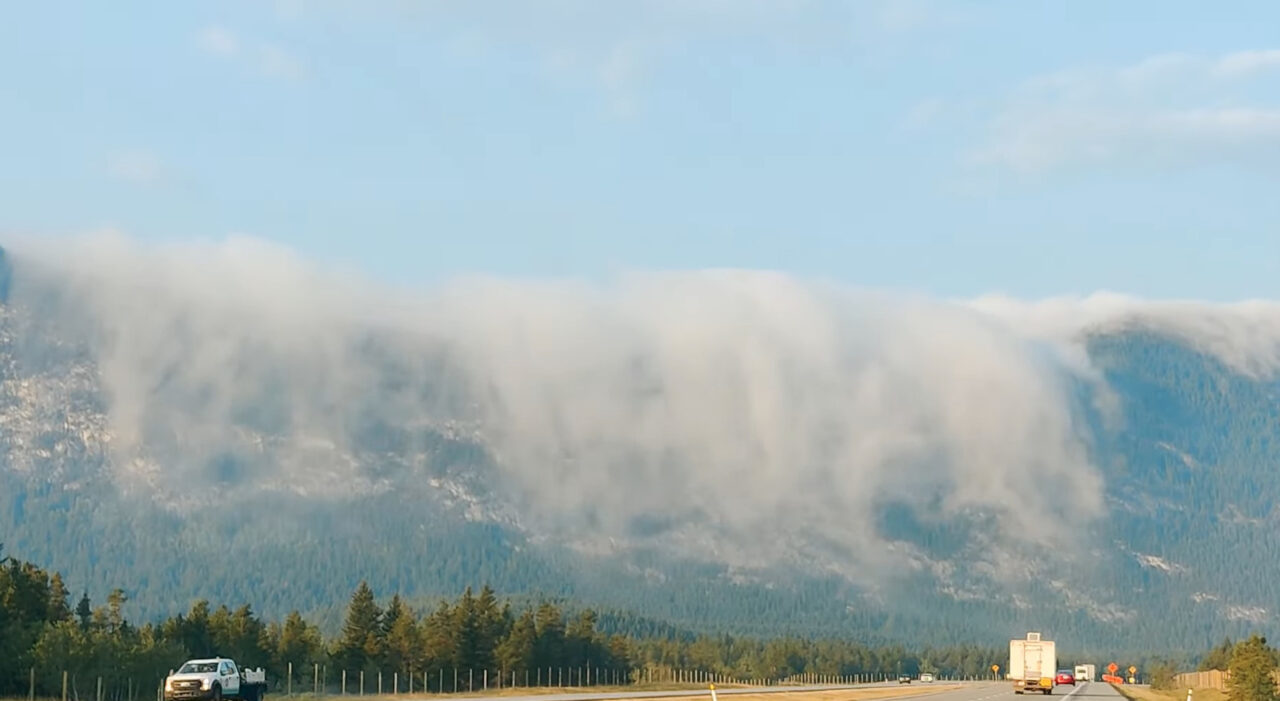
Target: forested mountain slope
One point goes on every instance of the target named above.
(197, 459)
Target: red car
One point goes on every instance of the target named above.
(1065, 677)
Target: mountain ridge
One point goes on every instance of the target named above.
(417, 493)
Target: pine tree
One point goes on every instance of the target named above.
(549, 651)
(1219, 657)
(298, 643)
(466, 623)
(580, 640)
(84, 611)
(195, 632)
(115, 609)
(361, 643)
(59, 609)
(515, 652)
(1252, 666)
(395, 611)
(220, 629)
(490, 628)
(404, 644)
(246, 637)
(439, 637)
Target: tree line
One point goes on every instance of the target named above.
(1251, 664)
(476, 635)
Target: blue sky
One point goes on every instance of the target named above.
(952, 147)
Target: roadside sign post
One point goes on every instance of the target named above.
(995, 670)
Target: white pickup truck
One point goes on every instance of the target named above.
(214, 679)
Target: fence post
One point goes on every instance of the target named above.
(486, 680)
(344, 682)
(395, 682)
(288, 685)
(362, 682)
(316, 679)
(379, 682)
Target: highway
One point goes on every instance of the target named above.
(970, 691)
(1003, 691)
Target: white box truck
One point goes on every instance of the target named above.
(1086, 672)
(1032, 664)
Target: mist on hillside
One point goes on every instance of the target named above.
(738, 413)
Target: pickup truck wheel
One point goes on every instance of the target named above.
(217, 692)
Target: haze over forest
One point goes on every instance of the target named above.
(749, 420)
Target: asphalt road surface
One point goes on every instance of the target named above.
(1003, 691)
(971, 691)
(704, 693)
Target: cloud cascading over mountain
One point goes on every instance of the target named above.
(746, 416)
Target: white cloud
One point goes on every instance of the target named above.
(1166, 111)
(925, 113)
(753, 410)
(907, 16)
(265, 58)
(219, 41)
(279, 63)
(1246, 62)
(141, 167)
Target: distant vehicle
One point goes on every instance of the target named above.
(926, 678)
(1086, 672)
(904, 678)
(1065, 676)
(1032, 664)
(214, 679)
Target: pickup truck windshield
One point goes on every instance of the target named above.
(198, 668)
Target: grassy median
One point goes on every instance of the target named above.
(1141, 692)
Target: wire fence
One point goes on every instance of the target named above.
(319, 680)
